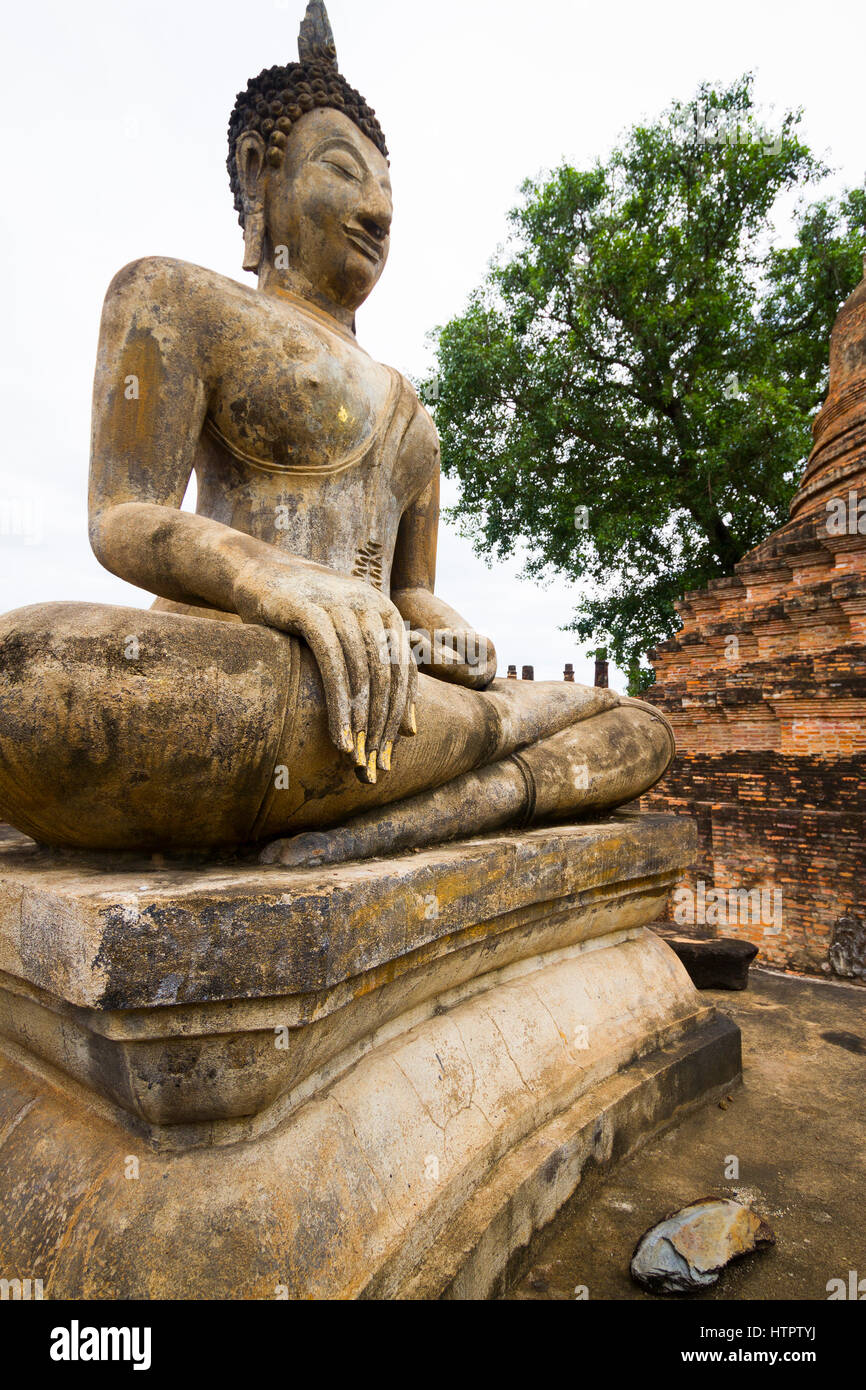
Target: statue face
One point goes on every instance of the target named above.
(330, 204)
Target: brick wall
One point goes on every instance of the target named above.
(765, 685)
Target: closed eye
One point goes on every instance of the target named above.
(343, 167)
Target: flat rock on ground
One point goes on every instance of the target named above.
(798, 1130)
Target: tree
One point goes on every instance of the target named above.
(629, 392)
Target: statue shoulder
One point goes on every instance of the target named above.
(196, 311)
(176, 290)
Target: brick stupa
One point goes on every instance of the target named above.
(766, 688)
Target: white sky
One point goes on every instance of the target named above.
(114, 115)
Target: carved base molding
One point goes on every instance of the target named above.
(376, 1081)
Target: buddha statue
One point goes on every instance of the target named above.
(298, 690)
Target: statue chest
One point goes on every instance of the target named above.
(292, 402)
(305, 454)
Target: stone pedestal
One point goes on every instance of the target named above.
(375, 1080)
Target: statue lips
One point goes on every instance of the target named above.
(366, 244)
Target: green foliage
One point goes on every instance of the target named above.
(642, 349)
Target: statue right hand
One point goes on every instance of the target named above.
(361, 647)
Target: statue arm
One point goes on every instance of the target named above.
(153, 383)
(449, 648)
(150, 399)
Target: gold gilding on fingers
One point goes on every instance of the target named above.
(413, 722)
(385, 757)
(346, 740)
(371, 768)
(361, 749)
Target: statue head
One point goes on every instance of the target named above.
(309, 171)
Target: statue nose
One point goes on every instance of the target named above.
(375, 213)
(376, 227)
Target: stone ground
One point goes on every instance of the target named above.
(798, 1128)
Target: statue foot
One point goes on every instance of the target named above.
(488, 799)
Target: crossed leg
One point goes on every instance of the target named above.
(136, 729)
(604, 758)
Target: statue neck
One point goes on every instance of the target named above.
(273, 280)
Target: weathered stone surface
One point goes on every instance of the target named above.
(479, 1023)
(110, 932)
(301, 1212)
(689, 1250)
(714, 963)
(375, 1181)
(163, 988)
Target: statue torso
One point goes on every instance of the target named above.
(305, 442)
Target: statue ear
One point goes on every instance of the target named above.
(250, 160)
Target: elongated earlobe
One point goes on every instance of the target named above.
(254, 237)
(250, 159)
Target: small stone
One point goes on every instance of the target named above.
(688, 1250)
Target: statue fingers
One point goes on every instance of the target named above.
(402, 660)
(320, 635)
(408, 722)
(355, 655)
(378, 642)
